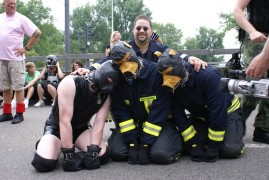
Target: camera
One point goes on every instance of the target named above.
(234, 67)
(259, 88)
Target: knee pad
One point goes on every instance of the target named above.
(43, 165)
(163, 158)
(231, 153)
(105, 157)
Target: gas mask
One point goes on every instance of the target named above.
(173, 69)
(126, 59)
(105, 78)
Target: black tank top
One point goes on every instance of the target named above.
(85, 105)
(258, 14)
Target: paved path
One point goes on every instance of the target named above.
(17, 144)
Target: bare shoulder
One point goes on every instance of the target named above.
(67, 82)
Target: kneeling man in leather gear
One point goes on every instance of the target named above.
(215, 125)
(67, 128)
(140, 108)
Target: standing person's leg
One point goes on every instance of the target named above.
(248, 104)
(5, 83)
(18, 80)
(168, 146)
(232, 145)
(261, 123)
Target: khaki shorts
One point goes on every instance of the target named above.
(12, 74)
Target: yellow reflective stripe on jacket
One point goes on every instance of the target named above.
(188, 133)
(216, 135)
(152, 129)
(148, 102)
(235, 105)
(96, 65)
(127, 125)
(201, 118)
(127, 102)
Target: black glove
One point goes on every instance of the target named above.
(143, 154)
(132, 153)
(197, 153)
(71, 161)
(91, 157)
(196, 150)
(212, 152)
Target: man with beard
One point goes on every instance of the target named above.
(147, 48)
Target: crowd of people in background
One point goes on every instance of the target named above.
(145, 85)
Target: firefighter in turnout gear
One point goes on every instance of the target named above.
(140, 108)
(215, 124)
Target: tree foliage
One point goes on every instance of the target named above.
(227, 22)
(51, 39)
(206, 39)
(170, 35)
(96, 22)
(99, 17)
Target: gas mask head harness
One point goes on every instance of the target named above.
(123, 55)
(51, 61)
(173, 69)
(105, 78)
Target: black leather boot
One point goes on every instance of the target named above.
(17, 119)
(6, 117)
(260, 135)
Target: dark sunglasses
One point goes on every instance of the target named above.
(11, 5)
(145, 28)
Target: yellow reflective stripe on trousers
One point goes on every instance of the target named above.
(152, 129)
(235, 105)
(216, 135)
(96, 65)
(127, 102)
(188, 133)
(127, 125)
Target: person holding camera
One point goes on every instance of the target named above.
(67, 128)
(51, 76)
(214, 125)
(254, 31)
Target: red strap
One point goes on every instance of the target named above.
(20, 108)
(7, 108)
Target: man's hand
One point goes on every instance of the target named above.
(143, 154)
(212, 152)
(20, 51)
(133, 152)
(81, 71)
(197, 63)
(258, 66)
(257, 37)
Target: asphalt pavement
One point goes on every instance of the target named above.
(17, 142)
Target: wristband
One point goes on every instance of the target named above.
(27, 49)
